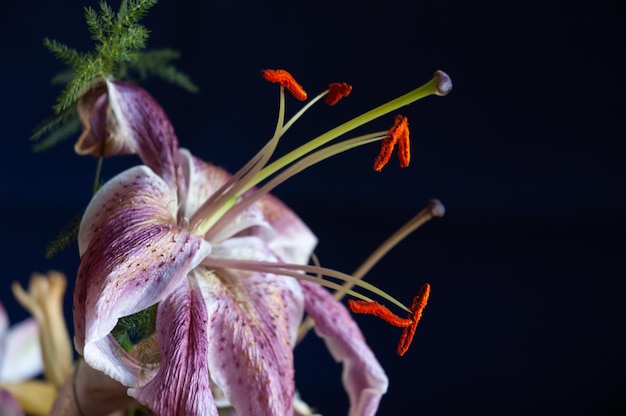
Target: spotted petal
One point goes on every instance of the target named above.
(363, 377)
(133, 256)
(182, 386)
(253, 319)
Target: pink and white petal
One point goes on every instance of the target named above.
(98, 394)
(132, 122)
(182, 384)
(9, 405)
(133, 256)
(142, 121)
(252, 318)
(139, 270)
(21, 359)
(363, 377)
(294, 241)
(202, 180)
(130, 199)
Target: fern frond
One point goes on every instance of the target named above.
(158, 63)
(94, 24)
(51, 123)
(68, 55)
(64, 239)
(69, 128)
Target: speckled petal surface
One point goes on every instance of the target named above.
(252, 321)
(363, 377)
(133, 256)
(182, 385)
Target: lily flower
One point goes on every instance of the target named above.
(194, 281)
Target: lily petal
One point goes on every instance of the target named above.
(253, 319)
(133, 256)
(202, 180)
(182, 386)
(363, 377)
(21, 358)
(294, 241)
(121, 118)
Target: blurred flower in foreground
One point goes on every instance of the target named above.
(20, 360)
(43, 345)
(193, 281)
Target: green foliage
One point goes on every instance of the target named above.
(119, 38)
(158, 63)
(119, 53)
(132, 330)
(64, 239)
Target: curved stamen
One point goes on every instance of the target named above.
(434, 209)
(296, 271)
(225, 196)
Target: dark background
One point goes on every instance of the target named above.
(527, 310)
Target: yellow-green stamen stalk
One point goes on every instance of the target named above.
(226, 197)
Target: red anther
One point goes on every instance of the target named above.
(284, 78)
(419, 303)
(336, 91)
(380, 311)
(404, 144)
(398, 133)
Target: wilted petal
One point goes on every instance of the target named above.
(252, 321)
(363, 377)
(121, 118)
(98, 394)
(21, 355)
(181, 387)
(133, 257)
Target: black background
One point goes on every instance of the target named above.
(527, 309)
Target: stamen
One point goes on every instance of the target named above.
(380, 311)
(398, 133)
(417, 307)
(286, 80)
(337, 91)
(404, 144)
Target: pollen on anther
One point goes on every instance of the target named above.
(380, 311)
(417, 307)
(286, 80)
(337, 91)
(398, 133)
